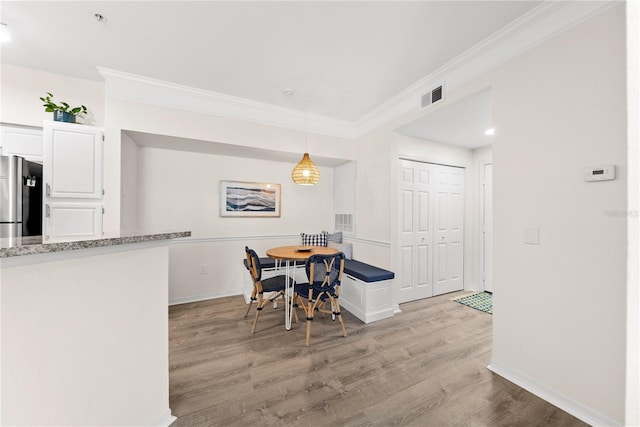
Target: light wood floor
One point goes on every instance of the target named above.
(424, 367)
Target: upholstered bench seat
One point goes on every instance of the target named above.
(366, 272)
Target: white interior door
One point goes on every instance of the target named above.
(448, 265)
(416, 237)
(487, 227)
(431, 213)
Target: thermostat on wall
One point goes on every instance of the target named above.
(600, 173)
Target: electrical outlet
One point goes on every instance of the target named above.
(203, 269)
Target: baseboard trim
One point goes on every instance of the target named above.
(204, 297)
(165, 419)
(575, 408)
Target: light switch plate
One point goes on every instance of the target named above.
(532, 235)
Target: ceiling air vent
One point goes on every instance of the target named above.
(431, 97)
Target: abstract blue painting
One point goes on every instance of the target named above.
(245, 199)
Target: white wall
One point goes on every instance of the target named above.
(129, 186)
(85, 337)
(21, 89)
(559, 320)
(129, 115)
(632, 407)
(180, 190)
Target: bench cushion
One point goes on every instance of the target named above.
(366, 272)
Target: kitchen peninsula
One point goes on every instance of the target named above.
(84, 332)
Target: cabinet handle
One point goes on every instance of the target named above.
(48, 191)
(48, 211)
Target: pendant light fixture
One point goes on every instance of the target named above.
(305, 172)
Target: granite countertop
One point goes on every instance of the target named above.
(33, 245)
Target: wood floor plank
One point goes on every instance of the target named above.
(426, 366)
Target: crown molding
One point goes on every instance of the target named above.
(533, 28)
(139, 88)
(539, 24)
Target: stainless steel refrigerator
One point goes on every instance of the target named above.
(20, 198)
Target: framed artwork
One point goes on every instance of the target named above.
(249, 199)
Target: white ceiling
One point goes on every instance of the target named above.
(462, 123)
(343, 59)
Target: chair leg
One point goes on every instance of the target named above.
(253, 298)
(308, 332)
(258, 310)
(249, 306)
(294, 307)
(336, 306)
(255, 321)
(311, 308)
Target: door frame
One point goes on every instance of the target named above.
(481, 220)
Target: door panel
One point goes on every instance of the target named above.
(423, 267)
(423, 212)
(407, 211)
(406, 263)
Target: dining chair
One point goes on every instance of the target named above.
(274, 286)
(325, 274)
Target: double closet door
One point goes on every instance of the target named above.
(431, 211)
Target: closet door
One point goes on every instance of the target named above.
(448, 263)
(416, 235)
(431, 214)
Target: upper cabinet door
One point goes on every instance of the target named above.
(73, 161)
(21, 141)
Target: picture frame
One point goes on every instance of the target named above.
(249, 199)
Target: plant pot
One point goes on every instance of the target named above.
(61, 116)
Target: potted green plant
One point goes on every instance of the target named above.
(62, 112)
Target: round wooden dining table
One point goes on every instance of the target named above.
(295, 254)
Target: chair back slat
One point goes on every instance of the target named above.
(253, 264)
(325, 272)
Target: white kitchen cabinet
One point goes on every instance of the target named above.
(73, 160)
(72, 221)
(22, 141)
(72, 174)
